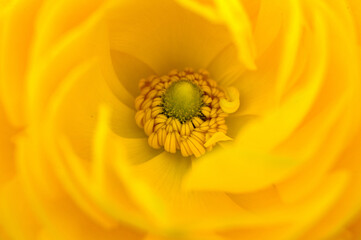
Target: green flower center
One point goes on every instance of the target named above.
(182, 100)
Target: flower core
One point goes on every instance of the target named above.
(182, 111)
(182, 100)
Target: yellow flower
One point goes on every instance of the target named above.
(213, 119)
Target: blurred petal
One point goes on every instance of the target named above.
(16, 34)
(160, 41)
(252, 156)
(233, 15)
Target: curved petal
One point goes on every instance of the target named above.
(129, 71)
(306, 212)
(233, 15)
(330, 97)
(251, 154)
(196, 211)
(54, 56)
(16, 32)
(158, 32)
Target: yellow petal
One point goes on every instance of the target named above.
(231, 104)
(291, 44)
(305, 213)
(243, 165)
(16, 22)
(7, 148)
(348, 117)
(266, 31)
(16, 212)
(160, 43)
(129, 71)
(189, 210)
(217, 137)
(233, 15)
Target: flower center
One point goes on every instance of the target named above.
(184, 110)
(182, 100)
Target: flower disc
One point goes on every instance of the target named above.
(182, 100)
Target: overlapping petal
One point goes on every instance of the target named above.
(75, 165)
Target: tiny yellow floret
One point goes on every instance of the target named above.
(182, 100)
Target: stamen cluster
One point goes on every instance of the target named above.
(190, 136)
